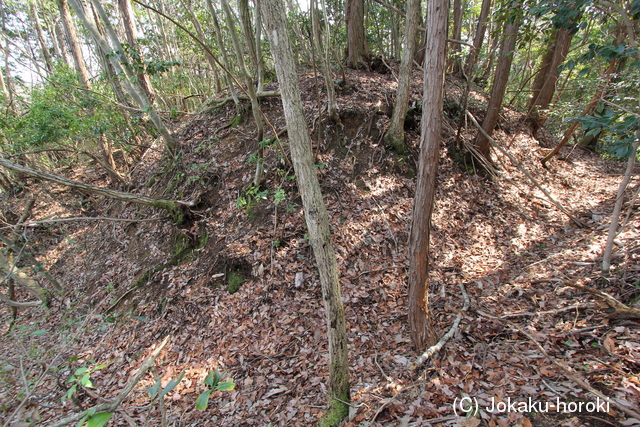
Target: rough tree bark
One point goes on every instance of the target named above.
(74, 43)
(500, 80)
(314, 209)
(357, 46)
(544, 85)
(423, 333)
(395, 134)
(332, 106)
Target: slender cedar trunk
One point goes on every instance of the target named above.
(478, 40)
(225, 56)
(395, 134)
(126, 10)
(423, 333)
(41, 38)
(457, 35)
(615, 216)
(499, 86)
(121, 66)
(174, 208)
(332, 109)
(255, 107)
(60, 42)
(314, 208)
(247, 31)
(488, 63)
(544, 85)
(210, 59)
(258, 38)
(3, 85)
(609, 74)
(74, 43)
(357, 48)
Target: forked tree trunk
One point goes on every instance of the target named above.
(499, 86)
(314, 209)
(423, 333)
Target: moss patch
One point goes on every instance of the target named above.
(234, 282)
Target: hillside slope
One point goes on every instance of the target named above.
(130, 284)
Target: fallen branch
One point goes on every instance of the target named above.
(114, 404)
(568, 371)
(175, 208)
(79, 218)
(218, 102)
(622, 311)
(526, 173)
(454, 327)
(12, 303)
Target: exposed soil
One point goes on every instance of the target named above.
(499, 237)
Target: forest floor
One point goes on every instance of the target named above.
(129, 284)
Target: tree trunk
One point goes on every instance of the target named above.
(225, 56)
(202, 37)
(122, 67)
(615, 216)
(499, 86)
(423, 333)
(126, 10)
(315, 210)
(255, 107)
(457, 35)
(478, 39)
(60, 42)
(173, 207)
(609, 74)
(544, 85)
(332, 108)
(395, 134)
(41, 39)
(74, 43)
(357, 47)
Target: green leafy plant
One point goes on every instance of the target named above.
(81, 377)
(154, 390)
(213, 382)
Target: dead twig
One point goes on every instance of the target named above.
(115, 403)
(454, 327)
(568, 371)
(527, 173)
(622, 311)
